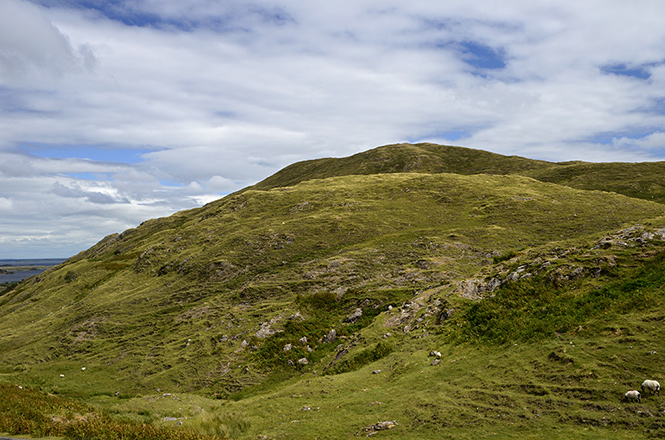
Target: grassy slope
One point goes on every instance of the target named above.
(403, 158)
(169, 304)
(638, 180)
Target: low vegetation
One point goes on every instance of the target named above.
(443, 291)
(28, 411)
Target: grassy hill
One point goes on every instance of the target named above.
(538, 284)
(638, 180)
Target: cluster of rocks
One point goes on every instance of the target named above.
(381, 426)
(634, 235)
(477, 289)
(437, 357)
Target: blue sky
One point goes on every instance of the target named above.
(114, 112)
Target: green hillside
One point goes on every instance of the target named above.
(542, 299)
(403, 158)
(638, 180)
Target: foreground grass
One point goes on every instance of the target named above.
(29, 411)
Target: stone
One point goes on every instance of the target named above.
(264, 331)
(381, 426)
(353, 317)
(331, 336)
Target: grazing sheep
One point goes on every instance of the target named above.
(632, 395)
(651, 386)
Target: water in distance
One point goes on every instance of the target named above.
(12, 271)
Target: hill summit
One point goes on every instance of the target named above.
(494, 290)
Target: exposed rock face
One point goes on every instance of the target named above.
(475, 288)
(629, 237)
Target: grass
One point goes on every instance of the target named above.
(188, 317)
(197, 277)
(29, 411)
(535, 309)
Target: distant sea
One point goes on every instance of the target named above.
(18, 275)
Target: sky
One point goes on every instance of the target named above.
(113, 112)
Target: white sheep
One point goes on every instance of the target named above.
(632, 395)
(651, 386)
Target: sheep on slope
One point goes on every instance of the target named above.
(651, 386)
(632, 395)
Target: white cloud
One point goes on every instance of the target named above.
(218, 95)
(31, 46)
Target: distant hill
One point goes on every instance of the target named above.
(493, 291)
(639, 180)
(403, 158)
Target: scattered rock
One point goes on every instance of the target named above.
(330, 337)
(303, 340)
(287, 347)
(381, 426)
(444, 315)
(436, 362)
(376, 372)
(169, 419)
(435, 353)
(297, 316)
(303, 361)
(264, 331)
(353, 317)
